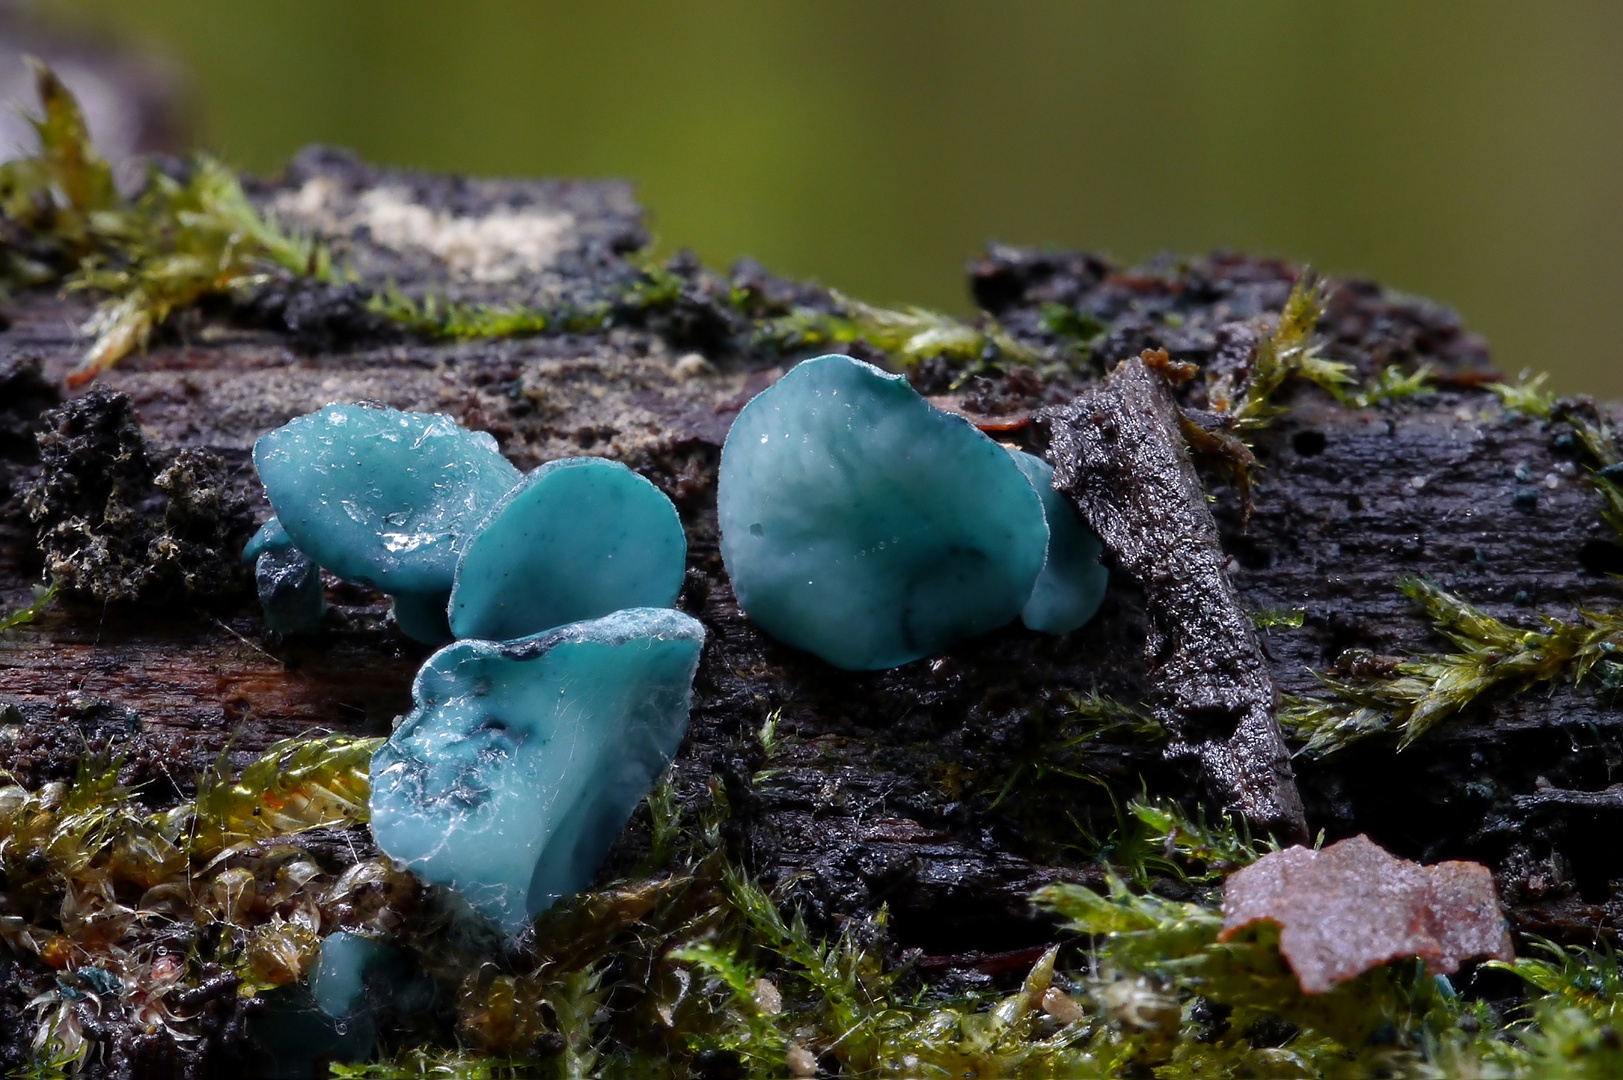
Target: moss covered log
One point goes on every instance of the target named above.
(839, 873)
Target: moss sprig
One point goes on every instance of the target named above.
(1530, 396)
(179, 241)
(642, 976)
(910, 335)
(1278, 618)
(1392, 384)
(43, 595)
(1417, 693)
(440, 320)
(297, 784)
(1599, 441)
(90, 870)
(836, 1001)
(1289, 351)
(1570, 1029)
(1055, 750)
(47, 201)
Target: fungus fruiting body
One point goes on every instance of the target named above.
(1071, 586)
(864, 525)
(382, 497)
(339, 978)
(578, 539)
(522, 760)
(527, 751)
(354, 973)
(268, 537)
(355, 982)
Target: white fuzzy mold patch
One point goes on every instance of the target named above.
(494, 247)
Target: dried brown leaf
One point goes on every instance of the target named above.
(1353, 906)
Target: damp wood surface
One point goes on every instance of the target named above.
(928, 788)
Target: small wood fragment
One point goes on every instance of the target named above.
(1118, 455)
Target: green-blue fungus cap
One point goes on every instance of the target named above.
(862, 524)
(268, 537)
(1072, 585)
(578, 539)
(379, 496)
(354, 973)
(339, 978)
(523, 760)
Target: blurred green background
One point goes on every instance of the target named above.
(1470, 151)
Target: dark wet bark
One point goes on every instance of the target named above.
(1119, 456)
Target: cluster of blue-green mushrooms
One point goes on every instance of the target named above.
(858, 523)
(532, 739)
(862, 524)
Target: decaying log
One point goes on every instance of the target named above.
(939, 789)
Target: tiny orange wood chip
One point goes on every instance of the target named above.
(1353, 906)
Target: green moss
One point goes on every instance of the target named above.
(1057, 741)
(182, 241)
(910, 335)
(1188, 848)
(1161, 976)
(1279, 618)
(1289, 352)
(1082, 331)
(644, 976)
(297, 784)
(1421, 691)
(43, 596)
(50, 199)
(122, 865)
(178, 242)
(1595, 435)
(1593, 432)
(1390, 385)
(1571, 1029)
(439, 320)
(1529, 395)
(422, 1064)
(837, 1002)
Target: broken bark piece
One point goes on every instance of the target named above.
(114, 526)
(1353, 906)
(1118, 455)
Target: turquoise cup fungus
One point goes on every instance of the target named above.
(522, 760)
(353, 973)
(1071, 586)
(531, 742)
(355, 981)
(578, 539)
(384, 498)
(862, 524)
(268, 537)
